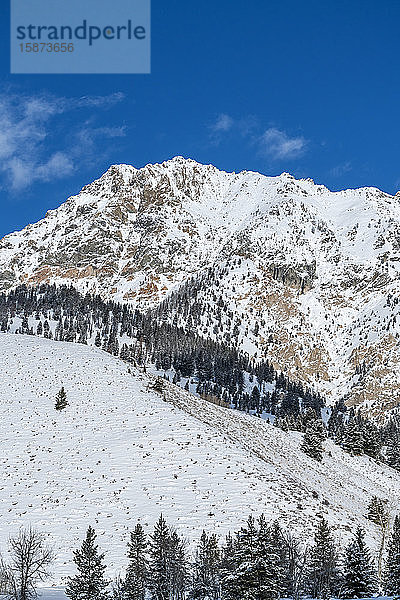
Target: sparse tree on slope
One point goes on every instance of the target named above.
(61, 400)
(313, 440)
(353, 441)
(89, 583)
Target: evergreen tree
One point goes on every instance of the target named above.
(245, 575)
(137, 570)
(323, 570)
(46, 329)
(228, 566)
(255, 399)
(240, 578)
(393, 450)
(89, 582)
(335, 421)
(159, 575)
(359, 573)
(118, 589)
(314, 436)
(392, 567)
(205, 582)
(353, 441)
(177, 566)
(371, 438)
(378, 511)
(61, 400)
(269, 561)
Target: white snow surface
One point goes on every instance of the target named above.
(121, 453)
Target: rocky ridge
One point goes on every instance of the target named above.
(307, 278)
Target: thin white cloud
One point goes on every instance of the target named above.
(341, 169)
(223, 123)
(22, 172)
(100, 101)
(279, 145)
(19, 172)
(58, 165)
(273, 142)
(87, 138)
(28, 150)
(90, 134)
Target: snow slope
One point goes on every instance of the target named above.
(120, 452)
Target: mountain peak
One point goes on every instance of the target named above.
(307, 268)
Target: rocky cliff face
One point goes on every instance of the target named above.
(310, 277)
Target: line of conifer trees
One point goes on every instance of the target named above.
(259, 562)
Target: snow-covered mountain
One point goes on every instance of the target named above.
(121, 451)
(309, 277)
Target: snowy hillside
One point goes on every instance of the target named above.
(120, 452)
(309, 277)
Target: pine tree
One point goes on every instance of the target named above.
(323, 571)
(242, 581)
(377, 511)
(118, 589)
(227, 568)
(371, 438)
(46, 329)
(61, 400)
(312, 443)
(205, 582)
(359, 573)
(269, 561)
(255, 399)
(89, 583)
(159, 576)
(177, 566)
(393, 450)
(392, 567)
(137, 570)
(353, 441)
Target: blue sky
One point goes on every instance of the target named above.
(307, 87)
